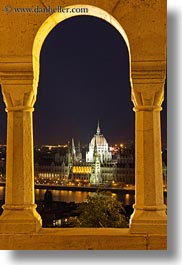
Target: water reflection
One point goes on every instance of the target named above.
(127, 199)
(63, 195)
(76, 196)
(80, 196)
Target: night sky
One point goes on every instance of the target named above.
(84, 78)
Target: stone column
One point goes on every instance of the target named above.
(19, 215)
(147, 94)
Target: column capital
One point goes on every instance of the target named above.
(17, 90)
(148, 78)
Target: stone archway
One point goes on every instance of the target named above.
(147, 52)
(55, 19)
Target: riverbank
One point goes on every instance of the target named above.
(86, 188)
(116, 190)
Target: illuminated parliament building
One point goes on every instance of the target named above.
(101, 164)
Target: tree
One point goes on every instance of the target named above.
(100, 210)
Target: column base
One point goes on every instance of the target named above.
(149, 219)
(20, 219)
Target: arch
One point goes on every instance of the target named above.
(148, 68)
(55, 19)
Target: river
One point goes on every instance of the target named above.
(80, 196)
(73, 196)
(76, 196)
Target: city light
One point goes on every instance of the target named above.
(82, 169)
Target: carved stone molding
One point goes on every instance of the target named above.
(148, 80)
(148, 71)
(15, 64)
(17, 88)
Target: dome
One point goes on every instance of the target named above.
(102, 148)
(99, 139)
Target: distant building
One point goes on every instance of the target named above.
(98, 167)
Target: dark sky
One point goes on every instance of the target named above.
(84, 78)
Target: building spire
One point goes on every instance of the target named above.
(98, 128)
(95, 148)
(73, 151)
